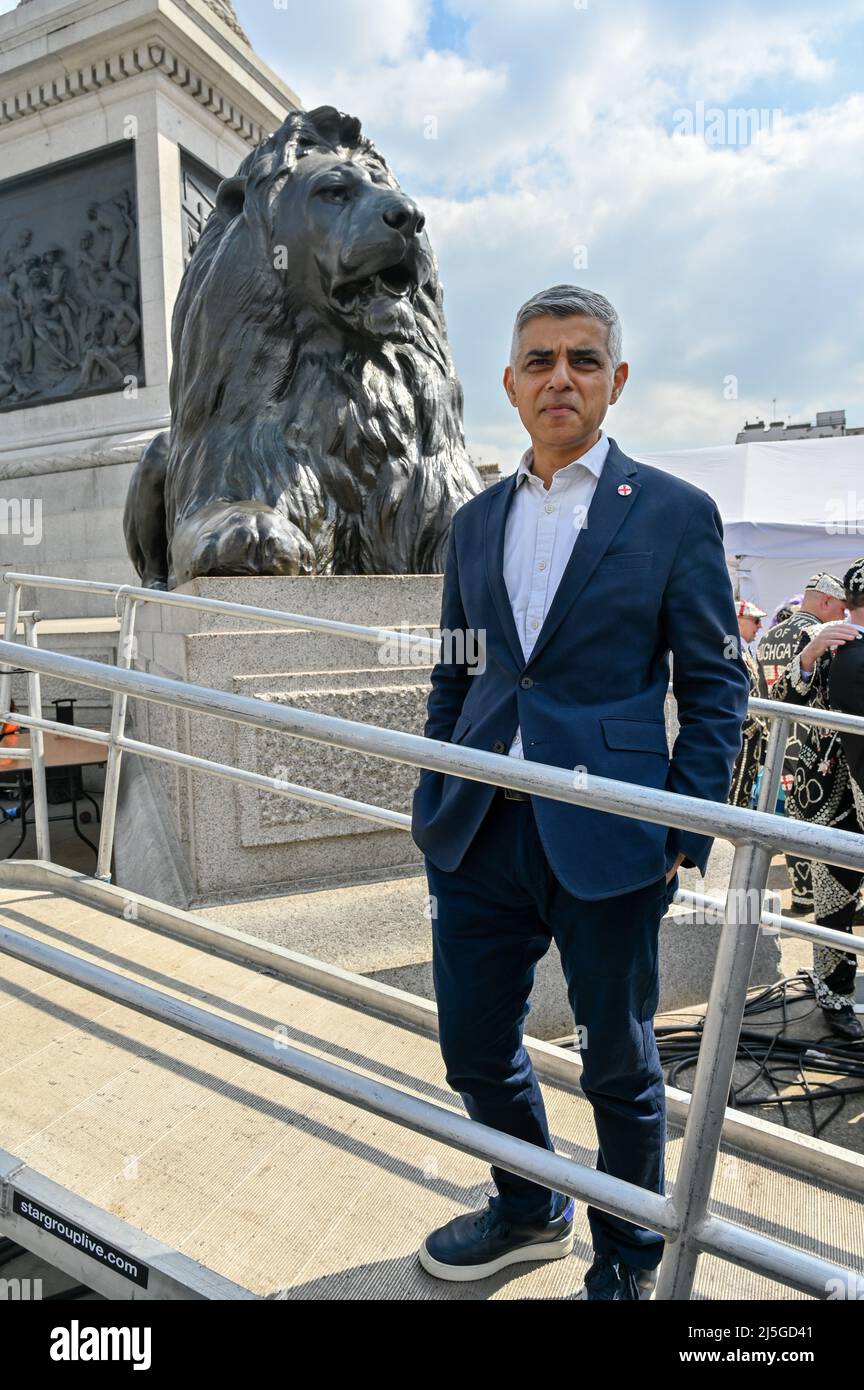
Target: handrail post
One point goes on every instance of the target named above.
(772, 766)
(13, 603)
(125, 650)
(723, 1022)
(37, 749)
(722, 1028)
(717, 1053)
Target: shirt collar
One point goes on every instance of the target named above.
(593, 461)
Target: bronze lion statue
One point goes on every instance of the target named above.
(316, 418)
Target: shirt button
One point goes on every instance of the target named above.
(549, 507)
(535, 622)
(542, 565)
(498, 746)
(526, 682)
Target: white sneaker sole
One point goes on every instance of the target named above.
(459, 1274)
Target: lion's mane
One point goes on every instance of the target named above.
(369, 466)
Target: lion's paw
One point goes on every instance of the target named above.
(239, 538)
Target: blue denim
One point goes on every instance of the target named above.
(493, 919)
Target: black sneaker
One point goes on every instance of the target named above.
(618, 1282)
(844, 1023)
(480, 1243)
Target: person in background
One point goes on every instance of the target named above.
(824, 601)
(824, 793)
(846, 693)
(846, 684)
(754, 730)
(785, 610)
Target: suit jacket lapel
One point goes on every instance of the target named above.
(493, 545)
(606, 513)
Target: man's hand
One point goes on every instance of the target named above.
(675, 867)
(828, 637)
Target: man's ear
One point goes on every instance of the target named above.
(509, 385)
(230, 198)
(622, 371)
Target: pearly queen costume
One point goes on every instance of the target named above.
(825, 793)
(754, 731)
(778, 648)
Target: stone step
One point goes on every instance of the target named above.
(284, 684)
(215, 658)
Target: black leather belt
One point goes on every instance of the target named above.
(512, 795)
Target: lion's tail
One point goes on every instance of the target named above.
(144, 514)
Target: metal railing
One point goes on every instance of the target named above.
(682, 1218)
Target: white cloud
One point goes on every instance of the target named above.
(554, 130)
(441, 85)
(328, 34)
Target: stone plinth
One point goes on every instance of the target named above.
(236, 839)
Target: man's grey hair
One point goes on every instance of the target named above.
(563, 300)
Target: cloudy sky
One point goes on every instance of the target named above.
(598, 143)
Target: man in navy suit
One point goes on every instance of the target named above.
(576, 577)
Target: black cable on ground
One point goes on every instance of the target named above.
(780, 1059)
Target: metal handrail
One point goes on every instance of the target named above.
(684, 1217)
(628, 799)
(398, 820)
(276, 617)
(806, 714)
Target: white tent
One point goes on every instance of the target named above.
(789, 508)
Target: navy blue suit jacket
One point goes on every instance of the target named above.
(647, 577)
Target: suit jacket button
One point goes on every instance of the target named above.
(499, 747)
(526, 682)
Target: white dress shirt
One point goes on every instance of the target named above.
(542, 526)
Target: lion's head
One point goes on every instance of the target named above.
(314, 233)
(311, 367)
(354, 244)
(347, 243)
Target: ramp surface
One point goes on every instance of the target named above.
(272, 1184)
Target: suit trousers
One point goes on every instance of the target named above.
(493, 919)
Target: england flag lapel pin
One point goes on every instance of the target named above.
(624, 489)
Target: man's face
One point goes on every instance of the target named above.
(563, 382)
(748, 627)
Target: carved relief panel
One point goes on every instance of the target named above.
(198, 185)
(70, 311)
